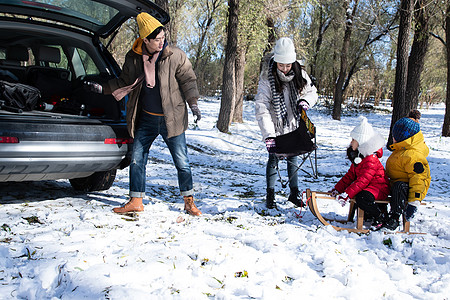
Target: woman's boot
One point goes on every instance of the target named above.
(294, 198)
(270, 199)
(134, 205)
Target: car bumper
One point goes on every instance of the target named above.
(30, 161)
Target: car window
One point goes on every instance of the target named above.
(2, 53)
(87, 10)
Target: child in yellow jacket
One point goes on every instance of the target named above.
(407, 168)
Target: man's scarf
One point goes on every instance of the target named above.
(278, 99)
(149, 69)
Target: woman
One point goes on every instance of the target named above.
(284, 89)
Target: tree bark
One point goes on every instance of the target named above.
(240, 72)
(419, 50)
(446, 126)
(164, 4)
(270, 40)
(324, 23)
(338, 88)
(229, 81)
(400, 108)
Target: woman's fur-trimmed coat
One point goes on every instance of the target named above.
(265, 114)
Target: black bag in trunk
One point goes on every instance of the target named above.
(18, 95)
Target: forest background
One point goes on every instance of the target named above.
(356, 51)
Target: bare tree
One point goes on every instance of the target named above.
(324, 23)
(164, 4)
(446, 126)
(418, 52)
(240, 70)
(227, 104)
(173, 9)
(369, 40)
(211, 9)
(400, 107)
(338, 88)
(446, 43)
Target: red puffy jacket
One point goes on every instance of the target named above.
(368, 175)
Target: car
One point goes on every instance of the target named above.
(70, 132)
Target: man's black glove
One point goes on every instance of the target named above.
(196, 112)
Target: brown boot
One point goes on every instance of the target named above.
(190, 207)
(134, 205)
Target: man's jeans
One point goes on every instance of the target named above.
(147, 130)
(271, 171)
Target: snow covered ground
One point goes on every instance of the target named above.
(56, 243)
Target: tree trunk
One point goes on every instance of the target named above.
(228, 87)
(338, 87)
(323, 26)
(446, 126)
(164, 4)
(419, 50)
(240, 71)
(270, 40)
(400, 108)
(198, 52)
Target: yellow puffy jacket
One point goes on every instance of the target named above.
(408, 163)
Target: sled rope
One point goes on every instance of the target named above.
(299, 214)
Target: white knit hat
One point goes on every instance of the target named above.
(362, 132)
(284, 51)
(368, 139)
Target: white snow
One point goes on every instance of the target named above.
(56, 243)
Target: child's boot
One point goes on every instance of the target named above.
(379, 222)
(392, 222)
(410, 211)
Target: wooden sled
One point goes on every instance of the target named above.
(312, 197)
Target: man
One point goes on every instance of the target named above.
(159, 80)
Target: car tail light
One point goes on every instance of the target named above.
(9, 140)
(119, 141)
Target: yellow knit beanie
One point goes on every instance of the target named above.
(147, 24)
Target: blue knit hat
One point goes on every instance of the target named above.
(405, 128)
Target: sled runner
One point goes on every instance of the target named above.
(302, 143)
(313, 196)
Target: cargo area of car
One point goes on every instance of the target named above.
(57, 68)
(60, 91)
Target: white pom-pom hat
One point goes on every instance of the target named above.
(368, 139)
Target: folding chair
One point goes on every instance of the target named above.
(301, 142)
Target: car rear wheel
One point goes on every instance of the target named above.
(96, 182)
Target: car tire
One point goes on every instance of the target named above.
(98, 181)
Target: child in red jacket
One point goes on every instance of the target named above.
(366, 180)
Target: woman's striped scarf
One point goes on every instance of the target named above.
(278, 100)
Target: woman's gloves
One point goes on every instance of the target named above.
(303, 105)
(93, 87)
(270, 145)
(196, 112)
